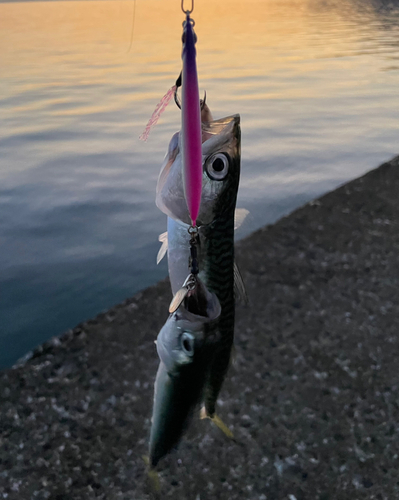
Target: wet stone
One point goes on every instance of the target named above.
(311, 396)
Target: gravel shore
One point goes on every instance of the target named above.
(312, 396)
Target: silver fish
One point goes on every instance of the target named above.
(184, 345)
(221, 173)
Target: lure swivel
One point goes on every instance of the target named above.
(194, 260)
(193, 232)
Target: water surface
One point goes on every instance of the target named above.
(315, 83)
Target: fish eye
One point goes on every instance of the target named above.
(187, 344)
(217, 166)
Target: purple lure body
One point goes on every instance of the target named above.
(191, 135)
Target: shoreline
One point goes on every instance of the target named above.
(311, 396)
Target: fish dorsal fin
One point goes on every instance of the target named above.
(239, 287)
(239, 216)
(163, 238)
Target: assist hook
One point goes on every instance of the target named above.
(177, 100)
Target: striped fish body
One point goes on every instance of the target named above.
(221, 173)
(218, 273)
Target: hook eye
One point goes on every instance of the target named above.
(183, 37)
(187, 11)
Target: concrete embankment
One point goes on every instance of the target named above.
(312, 396)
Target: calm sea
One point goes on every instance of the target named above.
(316, 83)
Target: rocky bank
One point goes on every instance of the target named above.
(312, 396)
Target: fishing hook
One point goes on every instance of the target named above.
(187, 11)
(203, 101)
(177, 100)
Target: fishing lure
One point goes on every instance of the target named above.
(191, 134)
(191, 107)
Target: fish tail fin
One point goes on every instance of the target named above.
(163, 238)
(218, 422)
(153, 476)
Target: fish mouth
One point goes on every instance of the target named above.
(199, 307)
(201, 328)
(201, 303)
(218, 136)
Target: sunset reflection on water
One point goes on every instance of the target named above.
(315, 83)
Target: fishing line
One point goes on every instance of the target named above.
(134, 18)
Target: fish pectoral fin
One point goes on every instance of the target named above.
(163, 238)
(240, 215)
(152, 475)
(239, 288)
(218, 422)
